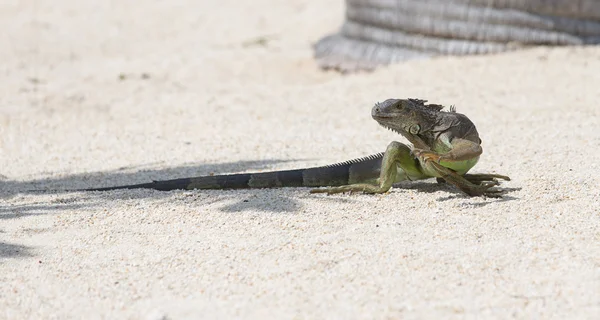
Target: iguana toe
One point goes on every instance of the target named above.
(351, 188)
(485, 189)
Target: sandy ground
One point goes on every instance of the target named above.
(99, 93)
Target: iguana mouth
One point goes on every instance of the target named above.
(378, 116)
(390, 128)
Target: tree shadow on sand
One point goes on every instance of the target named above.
(9, 250)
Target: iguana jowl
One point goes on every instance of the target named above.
(446, 145)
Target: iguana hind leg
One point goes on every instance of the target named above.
(397, 164)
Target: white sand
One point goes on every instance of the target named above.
(217, 101)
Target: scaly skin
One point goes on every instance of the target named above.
(446, 145)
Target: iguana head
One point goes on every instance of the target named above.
(409, 117)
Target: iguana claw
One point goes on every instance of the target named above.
(484, 189)
(477, 178)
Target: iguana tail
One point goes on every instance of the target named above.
(362, 170)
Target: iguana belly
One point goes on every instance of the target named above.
(461, 167)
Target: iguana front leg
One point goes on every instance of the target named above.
(397, 157)
(452, 165)
(479, 178)
(481, 189)
(460, 150)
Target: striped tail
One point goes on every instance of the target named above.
(361, 170)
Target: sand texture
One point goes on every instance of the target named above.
(100, 93)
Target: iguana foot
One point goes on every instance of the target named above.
(359, 187)
(479, 178)
(424, 155)
(484, 189)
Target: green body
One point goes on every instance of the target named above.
(446, 145)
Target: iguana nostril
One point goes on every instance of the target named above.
(376, 110)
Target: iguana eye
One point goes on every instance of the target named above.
(414, 129)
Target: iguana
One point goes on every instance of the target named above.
(446, 146)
